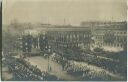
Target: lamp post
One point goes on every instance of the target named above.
(48, 52)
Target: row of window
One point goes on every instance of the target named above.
(111, 44)
(116, 38)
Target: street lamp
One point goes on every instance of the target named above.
(48, 53)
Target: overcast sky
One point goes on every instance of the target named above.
(55, 11)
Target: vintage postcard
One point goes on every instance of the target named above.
(64, 40)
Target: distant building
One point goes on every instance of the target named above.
(69, 38)
(111, 36)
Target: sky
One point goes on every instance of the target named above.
(63, 11)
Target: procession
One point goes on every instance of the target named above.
(64, 40)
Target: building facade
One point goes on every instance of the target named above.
(111, 36)
(71, 38)
(108, 36)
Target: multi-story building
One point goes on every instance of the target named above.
(109, 36)
(112, 36)
(69, 37)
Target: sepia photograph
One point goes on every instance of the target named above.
(64, 40)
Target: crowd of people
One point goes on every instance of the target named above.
(60, 60)
(24, 71)
(103, 63)
(75, 54)
(90, 72)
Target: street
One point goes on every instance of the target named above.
(42, 64)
